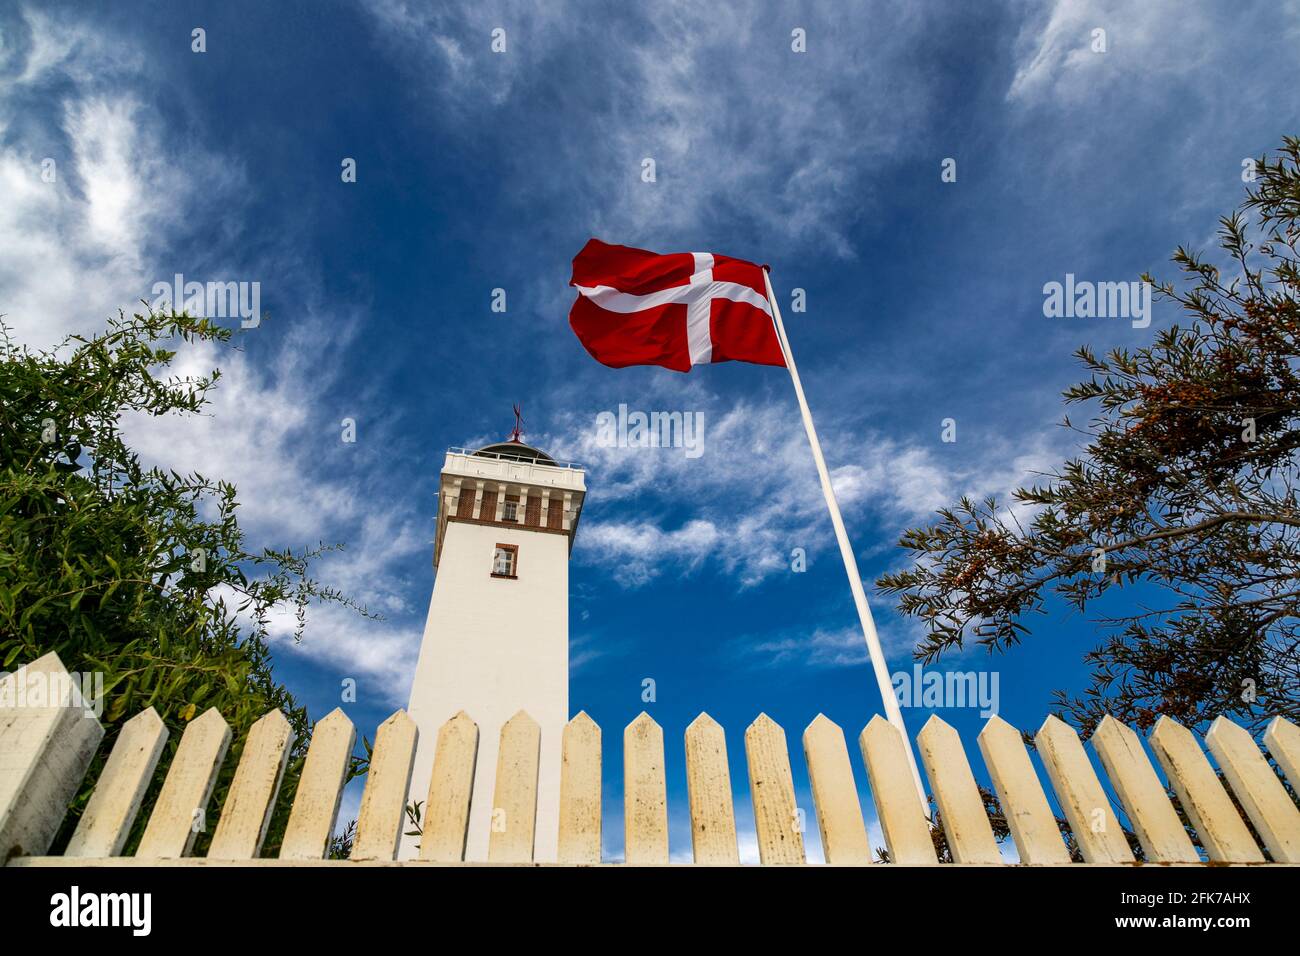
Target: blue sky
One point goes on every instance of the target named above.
(478, 171)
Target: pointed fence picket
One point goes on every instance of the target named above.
(957, 795)
(383, 801)
(316, 805)
(645, 792)
(580, 811)
(251, 799)
(180, 814)
(44, 757)
(1283, 741)
(46, 747)
(777, 819)
(514, 802)
(106, 822)
(708, 785)
(445, 818)
(902, 818)
(1028, 815)
(835, 795)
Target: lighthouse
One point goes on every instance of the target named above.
(496, 640)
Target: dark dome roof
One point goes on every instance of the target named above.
(514, 450)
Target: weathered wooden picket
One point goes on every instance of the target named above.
(45, 752)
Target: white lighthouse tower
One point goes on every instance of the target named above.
(496, 640)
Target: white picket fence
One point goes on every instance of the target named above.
(45, 752)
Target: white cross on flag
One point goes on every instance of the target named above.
(679, 310)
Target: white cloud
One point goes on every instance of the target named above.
(47, 45)
(1056, 54)
(82, 246)
(640, 548)
(265, 433)
(77, 249)
(459, 37)
(261, 434)
(113, 170)
(381, 657)
(247, 435)
(74, 248)
(831, 648)
(844, 647)
(691, 87)
(753, 495)
(1146, 43)
(585, 648)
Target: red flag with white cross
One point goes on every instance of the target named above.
(678, 310)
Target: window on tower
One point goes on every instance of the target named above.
(511, 511)
(505, 561)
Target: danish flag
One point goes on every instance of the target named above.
(679, 310)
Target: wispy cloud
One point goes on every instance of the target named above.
(272, 429)
(1059, 56)
(838, 648)
(379, 655)
(753, 495)
(92, 184)
(782, 161)
(93, 240)
(828, 648)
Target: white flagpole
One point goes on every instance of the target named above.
(888, 698)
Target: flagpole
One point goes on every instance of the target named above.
(888, 698)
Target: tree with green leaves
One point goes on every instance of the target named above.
(1184, 496)
(141, 574)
